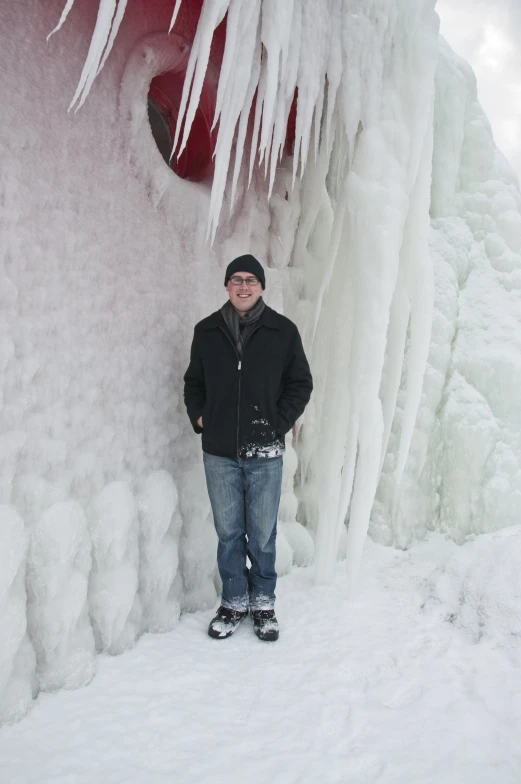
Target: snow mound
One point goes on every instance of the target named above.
(160, 531)
(479, 588)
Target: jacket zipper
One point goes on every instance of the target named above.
(239, 367)
(238, 406)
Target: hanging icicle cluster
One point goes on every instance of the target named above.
(110, 16)
(273, 51)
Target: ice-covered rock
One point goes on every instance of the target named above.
(115, 606)
(160, 531)
(58, 567)
(198, 544)
(17, 658)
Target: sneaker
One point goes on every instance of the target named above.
(265, 625)
(226, 622)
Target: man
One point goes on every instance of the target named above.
(247, 383)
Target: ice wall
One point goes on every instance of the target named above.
(106, 528)
(463, 476)
(105, 525)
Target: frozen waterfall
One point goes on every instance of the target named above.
(366, 153)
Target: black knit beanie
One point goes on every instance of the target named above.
(246, 263)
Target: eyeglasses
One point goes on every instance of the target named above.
(236, 281)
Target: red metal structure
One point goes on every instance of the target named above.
(164, 99)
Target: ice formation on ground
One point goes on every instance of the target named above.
(104, 270)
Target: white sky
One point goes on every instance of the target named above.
(487, 33)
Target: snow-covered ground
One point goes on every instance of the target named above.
(405, 683)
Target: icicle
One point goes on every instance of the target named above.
(237, 92)
(258, 112)
(212, 14)
(312, 73)
(174, 15)
(421, 324)
(286, 95)
(348, 476)
(227, 66)
(276, 34)
(334, 76)
(122, 4)
(97, 45)
(336, 236)
(245, 115)
(63, 17)
(366, 482)
(396, 334)
(317, 118)
(420, 289)
(279, 135)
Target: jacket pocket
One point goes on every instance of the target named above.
(282, 426)
(206, 416)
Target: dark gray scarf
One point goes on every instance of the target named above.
(240, 327)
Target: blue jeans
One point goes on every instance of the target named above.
(245, 496)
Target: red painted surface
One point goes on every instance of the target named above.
(291, 126)
(195, 163)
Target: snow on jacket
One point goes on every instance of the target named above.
(247, 405)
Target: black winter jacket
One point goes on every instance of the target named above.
(247, 406)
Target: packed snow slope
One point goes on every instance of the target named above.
(395, 214)
(403, 685)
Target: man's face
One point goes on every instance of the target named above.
(244, 294)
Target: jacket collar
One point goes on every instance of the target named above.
(269, 318)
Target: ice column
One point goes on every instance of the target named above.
(377, 276)
(292, 534)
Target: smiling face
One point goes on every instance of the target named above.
(243, 296)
